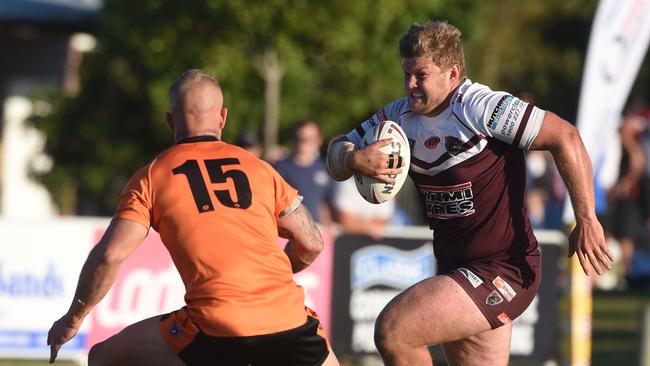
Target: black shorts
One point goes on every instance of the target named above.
(501, 291)
(302, 346)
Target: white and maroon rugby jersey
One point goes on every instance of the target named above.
(468, 163)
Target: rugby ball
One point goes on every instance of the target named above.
(373, 190)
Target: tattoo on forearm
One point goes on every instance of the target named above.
(312, 236)
(308, 225)
(285, 233)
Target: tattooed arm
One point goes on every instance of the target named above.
(305, 241)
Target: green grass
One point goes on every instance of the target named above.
(616, 327)
(35, 363)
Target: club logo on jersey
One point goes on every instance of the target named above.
(504, 288)
(175, 329)
(448, 202)
(452, 145)
(432, 142)
(494, 298)
(498, 111)
(475, 280)
(504, 318)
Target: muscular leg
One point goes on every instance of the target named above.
(331, 359)
(137, 344)
(490, 348)
(433, 311)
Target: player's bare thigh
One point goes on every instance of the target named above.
(138, 344)
(490, 348)
(434, 311)
(331, 359)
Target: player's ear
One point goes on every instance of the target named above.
(224, 115)
(170, 121)
(455, 72)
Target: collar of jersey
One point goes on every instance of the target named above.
(188, 140)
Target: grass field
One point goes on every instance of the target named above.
(617, 319)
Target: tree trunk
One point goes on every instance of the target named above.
(271, 71)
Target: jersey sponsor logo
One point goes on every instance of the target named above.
(494, 298)
(448, 202)
(432, 142)
(475, 280)
(381, 115)
(453, 145)
(504, 318)
(504, 288)
(517, 107)
(498, 111)
(370, 121)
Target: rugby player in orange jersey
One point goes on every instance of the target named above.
(219, 211)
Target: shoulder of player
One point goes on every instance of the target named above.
(475, 96)
(395, 109)
(171, 154)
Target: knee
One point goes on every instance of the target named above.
(95, 357)
(386, 333)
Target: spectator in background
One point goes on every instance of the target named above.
(249, 141)
(305, 170)
(545, 192)
(358, 216)
(629, 209)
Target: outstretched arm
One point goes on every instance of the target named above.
(587, 238)
(305, 241)
(96, 278)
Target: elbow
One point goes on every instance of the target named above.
(567, 140)
(111, 259)
(319, 245)
(107, 257)
(316, 244)
(573, 135)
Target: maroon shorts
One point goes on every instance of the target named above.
(502, 291)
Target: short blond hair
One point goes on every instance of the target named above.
(186, 80)
(436, 39)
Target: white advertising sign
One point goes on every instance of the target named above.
(39, 267)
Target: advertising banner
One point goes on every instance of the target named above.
(39, 267)
(617, 45)
(40, 262)
(369, 273)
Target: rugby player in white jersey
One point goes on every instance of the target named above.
(467, 145)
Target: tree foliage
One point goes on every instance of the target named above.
(339, 60)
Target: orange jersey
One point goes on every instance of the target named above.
(216, 208)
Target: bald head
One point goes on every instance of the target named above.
(196, 105)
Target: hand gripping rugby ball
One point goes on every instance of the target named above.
(399, 155)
